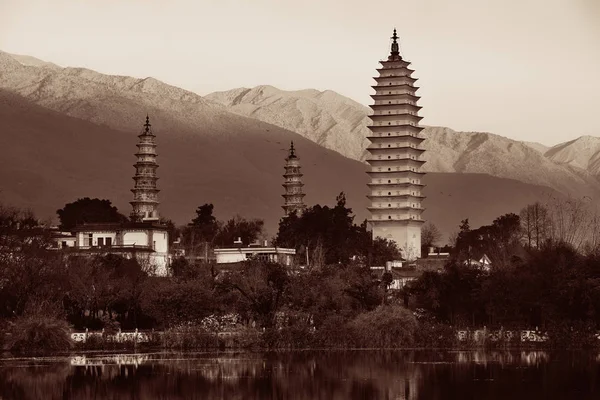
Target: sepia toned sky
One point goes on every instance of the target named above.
(525, 69)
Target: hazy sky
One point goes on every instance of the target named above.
(526, 69)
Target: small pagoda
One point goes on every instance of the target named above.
(294, 197)
(395, 156)
(145, 194)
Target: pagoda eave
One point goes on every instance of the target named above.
(386, 127)
(393, 106)
(415, 88)
(388, 95)
(385, 117)
(391, 184)
(146, 164)
(394, 196)
(403, 67)
(396, 77)
(390, 160)
(404, 171)
(142, 202)
(395, 221)
(405, 63)
(403, 208)
(145, 189)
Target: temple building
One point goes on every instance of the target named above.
(144, 237)
(294, 196)
(395, 157)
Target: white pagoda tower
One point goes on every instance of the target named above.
(394, 156)
(145, 194)
(294, 196)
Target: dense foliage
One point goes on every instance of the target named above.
(541, 275)
(88, 210)
(327, 236)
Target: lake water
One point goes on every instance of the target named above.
(305, 375)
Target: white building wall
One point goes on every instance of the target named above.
(224, 258)
(139, 238)
(161, 241)
(83, 238)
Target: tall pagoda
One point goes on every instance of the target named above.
(395, 157)
(145, 194)
(294, 197)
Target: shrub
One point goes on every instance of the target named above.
(386, 326)
(576, 335)
(37, 334)
(435, 335)
(333, 332)
(297, 335)
(189, 336)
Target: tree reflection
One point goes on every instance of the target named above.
(306, 375)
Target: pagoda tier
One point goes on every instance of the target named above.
(293, 196)
(391, 145)
(395, 156)
(145, 193)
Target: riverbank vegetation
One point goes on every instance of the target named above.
(544, 275)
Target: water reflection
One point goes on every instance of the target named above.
(305, 375)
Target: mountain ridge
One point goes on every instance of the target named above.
(446, 150)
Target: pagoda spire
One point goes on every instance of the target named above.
(147, 125)
(145, 194)
(395, 53)
(394, 156)
(294, 197)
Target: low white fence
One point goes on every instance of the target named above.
(119, 337)
(482, 335)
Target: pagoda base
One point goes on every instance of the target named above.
(406, 234)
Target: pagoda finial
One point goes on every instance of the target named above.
(292, 150)
(395, 54)
(147, 125)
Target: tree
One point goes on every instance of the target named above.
(570, 222)
(173, 301)
(463, 240)
(30, 274)
(248, 230)
(330, 231)
(262, 286)
(430, 236)
(377, 251)
(205, 224)
(88, 210)
(201, 232)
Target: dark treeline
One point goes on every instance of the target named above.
(43, 289)
(545, 272)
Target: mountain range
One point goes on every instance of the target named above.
(70, 132)
(340, 124)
